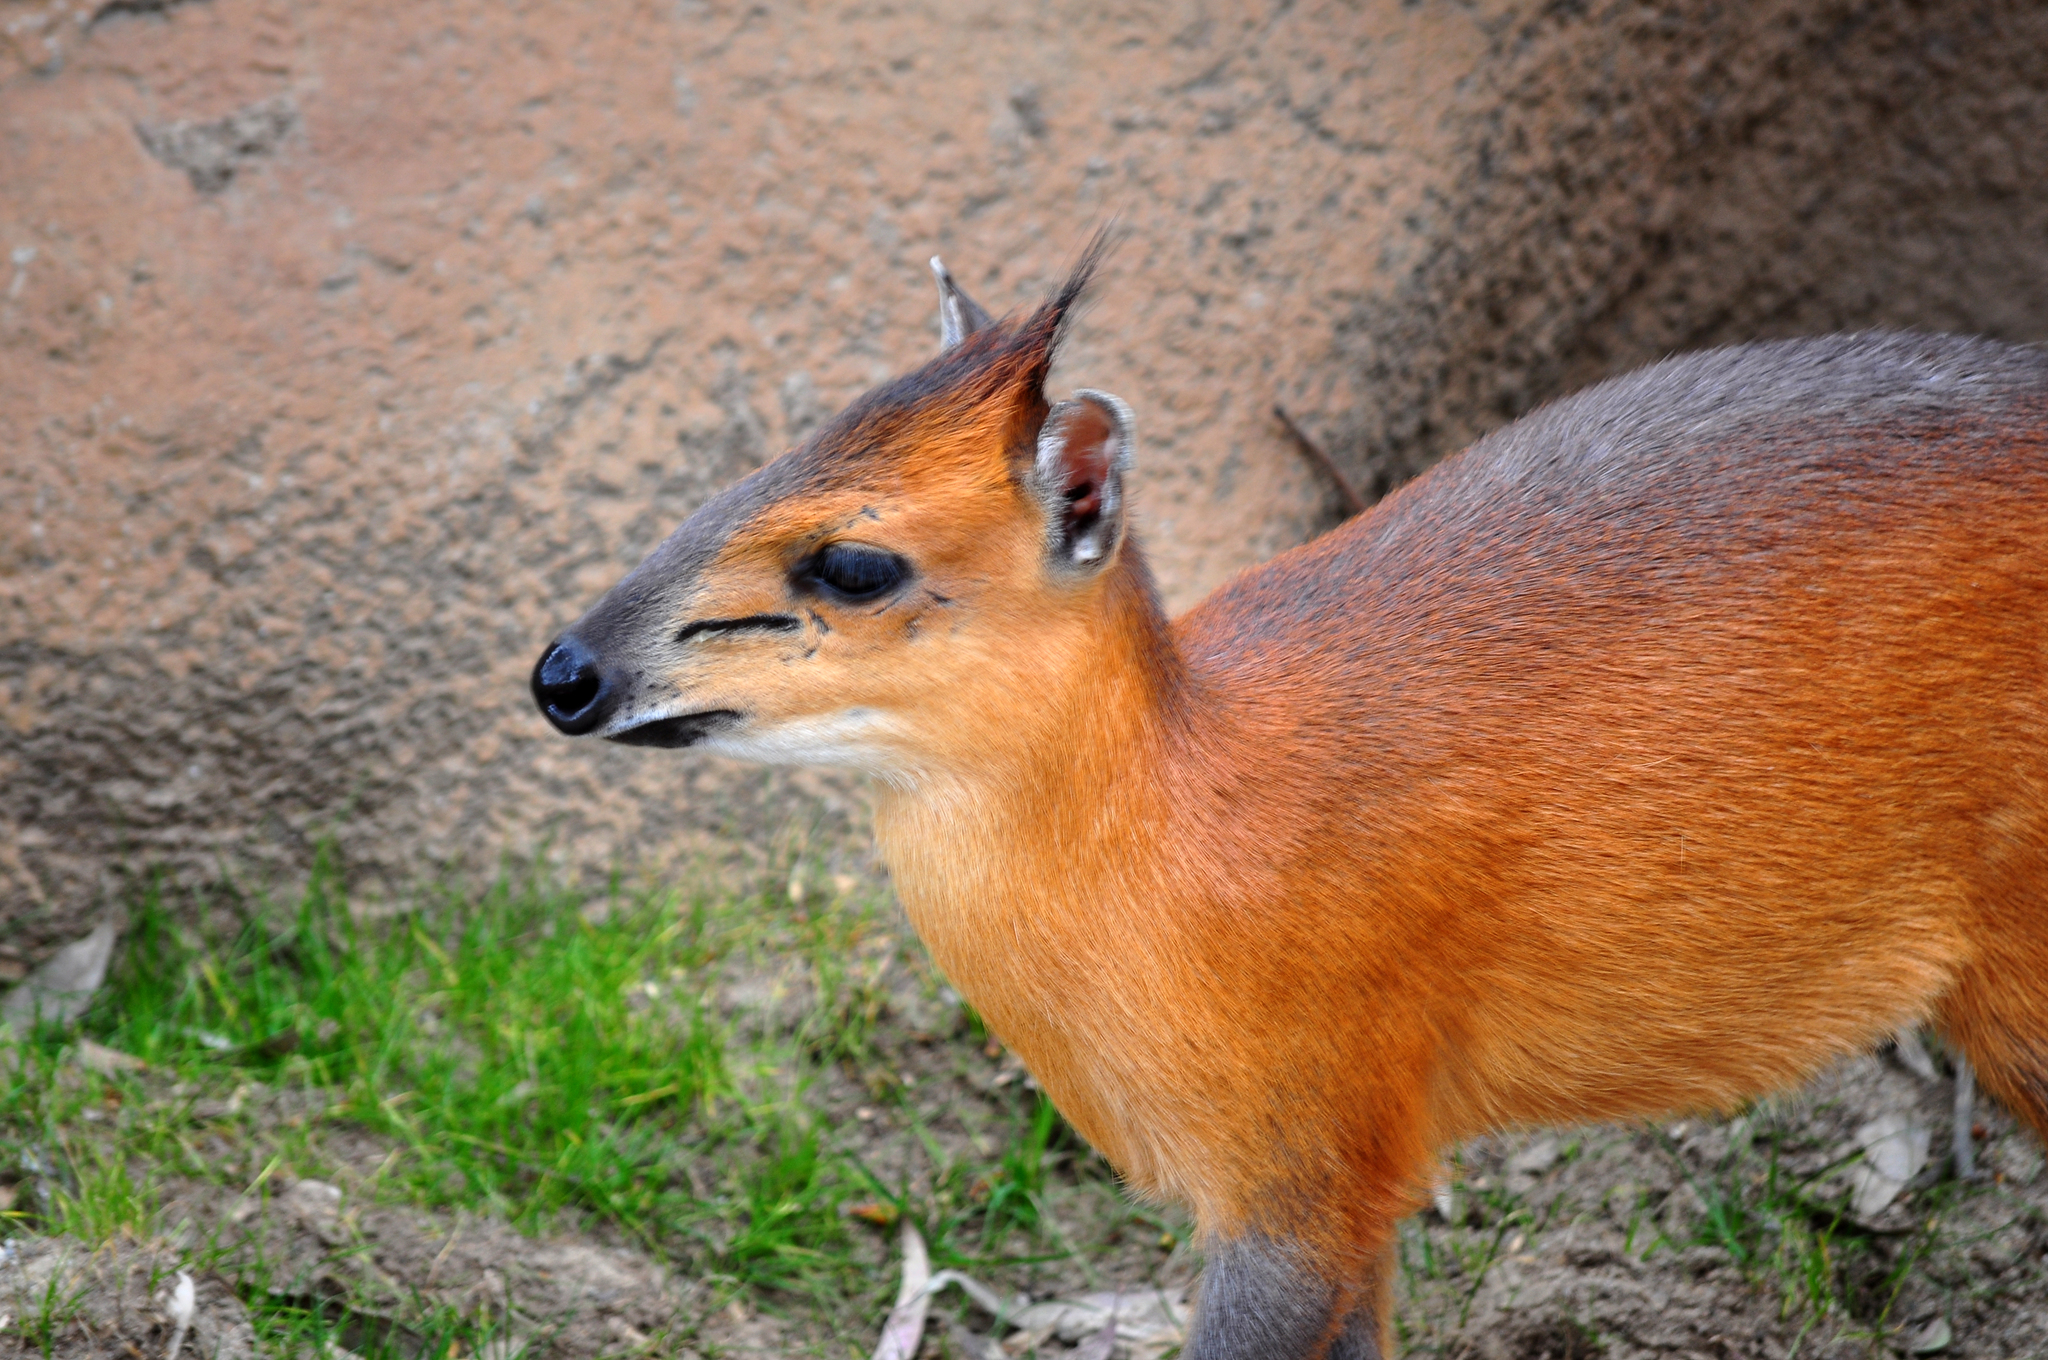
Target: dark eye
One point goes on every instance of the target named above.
(856, 573)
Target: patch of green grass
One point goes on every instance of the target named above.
(547, 1055)
(103, 1196)
(977, 1204)
(312, 1325)
(849, 987)
(1767, 1221)
(50, 1311)
(790, 1193)
(528, 1055)
(1019, 1178)
(1785, 1235)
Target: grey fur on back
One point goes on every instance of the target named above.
(1856, 381)
(1685, 466)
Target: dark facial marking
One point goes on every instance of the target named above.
(673, 733)
(767, 623)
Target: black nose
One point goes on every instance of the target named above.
(569, 687)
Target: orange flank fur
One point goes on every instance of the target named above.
(1647, 756)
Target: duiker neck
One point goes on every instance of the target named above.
(1070, 768)
(1091, 704)
(1037, 873)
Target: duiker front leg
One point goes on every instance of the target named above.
(1267, 1298)
(1367, 1330)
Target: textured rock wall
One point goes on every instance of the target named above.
(348, 349)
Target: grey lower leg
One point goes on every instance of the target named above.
(1260, 1301)
(1360, 1339)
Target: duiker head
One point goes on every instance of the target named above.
(861, 600)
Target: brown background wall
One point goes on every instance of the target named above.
(348, 349)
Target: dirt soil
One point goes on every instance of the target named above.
(1969, 1263)
(1555, 1245)
(117, 1301)
(1576, 1287)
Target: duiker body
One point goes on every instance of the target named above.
(1646, 756)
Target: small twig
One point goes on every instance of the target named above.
(1961, 1149)
(904, 1329)
(454, 1236)
(1354, 504)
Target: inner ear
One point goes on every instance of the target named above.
(1083, 450)
(1082, 453)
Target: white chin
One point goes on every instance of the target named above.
(853, 739)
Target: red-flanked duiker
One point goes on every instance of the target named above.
(1653, 752)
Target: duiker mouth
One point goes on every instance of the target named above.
(579, 698)
(673, 733)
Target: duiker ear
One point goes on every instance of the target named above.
(959, 315)
(1084, 450)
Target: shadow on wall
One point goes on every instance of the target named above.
(347, 356)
